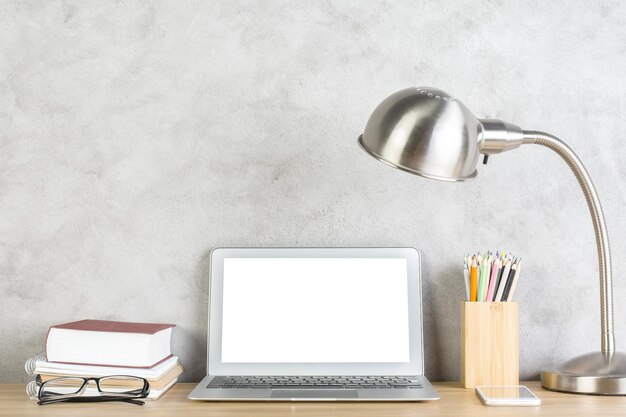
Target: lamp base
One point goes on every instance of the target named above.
(598, 373)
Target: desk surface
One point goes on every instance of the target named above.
(455, 401)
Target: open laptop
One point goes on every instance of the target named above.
(315, 324)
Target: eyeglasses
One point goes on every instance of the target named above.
(109, 388)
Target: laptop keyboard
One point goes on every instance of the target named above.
(317, 382)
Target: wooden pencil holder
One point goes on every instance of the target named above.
(489, 344)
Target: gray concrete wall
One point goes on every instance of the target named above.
(136, 136)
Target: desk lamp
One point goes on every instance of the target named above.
(427, 132)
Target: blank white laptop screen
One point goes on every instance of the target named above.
(315, 310)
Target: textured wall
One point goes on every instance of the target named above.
(136, 136)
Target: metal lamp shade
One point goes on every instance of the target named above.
(427, 132)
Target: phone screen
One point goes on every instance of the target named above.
(507, 392)
(511, 396)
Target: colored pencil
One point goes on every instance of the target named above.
(482, 280)
(473, 280)
(509, 282)
(499, 278)
(515, 278)
(502, 284)
(492, 280)
(466, 279)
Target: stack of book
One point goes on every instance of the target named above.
(97, 348)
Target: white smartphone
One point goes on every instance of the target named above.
(517, 395)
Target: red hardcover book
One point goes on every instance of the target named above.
(109, 343)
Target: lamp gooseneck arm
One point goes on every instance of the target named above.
(599, 227)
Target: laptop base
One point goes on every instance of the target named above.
(424, 393)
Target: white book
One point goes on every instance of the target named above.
(39, 365)
(109, 343)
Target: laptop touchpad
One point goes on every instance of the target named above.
(314, 393)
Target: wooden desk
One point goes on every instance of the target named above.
(455, 401)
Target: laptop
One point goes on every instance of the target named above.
(315, 324)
